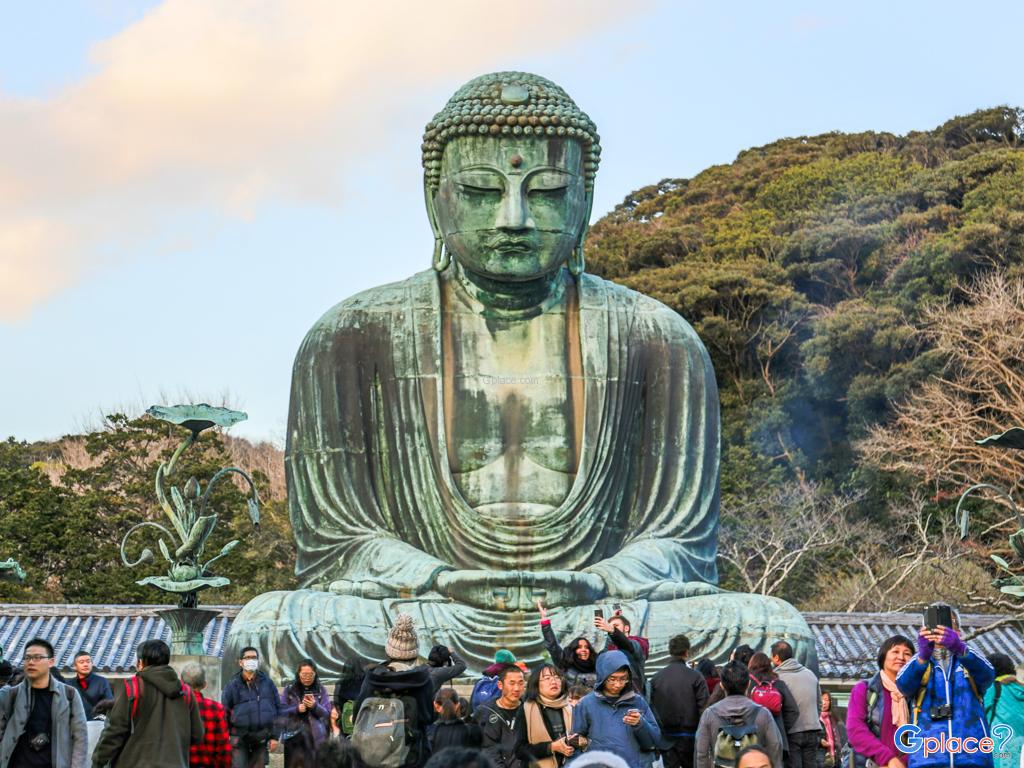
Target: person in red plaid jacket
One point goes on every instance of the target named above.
(215, 749)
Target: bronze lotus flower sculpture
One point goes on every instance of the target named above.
(10, 570)
(1011, 584)
(187, 510)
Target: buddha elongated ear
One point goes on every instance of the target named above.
(577, 261)
(441, 258)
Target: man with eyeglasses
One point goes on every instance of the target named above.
(251, 701)
(615, 718)
(41, 719)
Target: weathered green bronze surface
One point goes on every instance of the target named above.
(187, 511)
(504, 428)
(187, 625)
(11, 570)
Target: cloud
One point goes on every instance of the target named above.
(226, 106)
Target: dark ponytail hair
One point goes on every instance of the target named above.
(448, 700)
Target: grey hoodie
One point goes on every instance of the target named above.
(68, 734)
(736, 710)
(803, 684)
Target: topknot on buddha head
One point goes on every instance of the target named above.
(509, 104)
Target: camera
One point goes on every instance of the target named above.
(940, 712)
(40, 742)
(938, 615)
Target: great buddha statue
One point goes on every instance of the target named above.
(504, 428)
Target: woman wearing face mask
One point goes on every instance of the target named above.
(576, 661)
(306, 708)
(548, 719)
(877, 709)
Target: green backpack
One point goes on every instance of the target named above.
(732, 739)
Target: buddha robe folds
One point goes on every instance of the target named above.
(377, 514)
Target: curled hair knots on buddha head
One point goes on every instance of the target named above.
(510, 104)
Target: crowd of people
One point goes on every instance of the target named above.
(586, 706)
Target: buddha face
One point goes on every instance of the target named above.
(511, 208)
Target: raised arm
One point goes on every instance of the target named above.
(550, 641)
(441, 675)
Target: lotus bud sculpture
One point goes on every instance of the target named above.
(186, 508)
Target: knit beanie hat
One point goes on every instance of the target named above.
(402, 643)
(504, 656)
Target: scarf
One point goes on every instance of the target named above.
(830, 736)
(900, 710)
(537, 731)
(559, 703)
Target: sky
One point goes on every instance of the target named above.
(187, 185)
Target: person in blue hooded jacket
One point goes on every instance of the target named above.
(614, 717)
(943, 685)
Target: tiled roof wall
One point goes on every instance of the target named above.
(847, 643)
(109, 633)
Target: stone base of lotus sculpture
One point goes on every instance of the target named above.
(289, 626)
(188, 627)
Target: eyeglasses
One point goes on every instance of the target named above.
(34, 657)
(617, 679)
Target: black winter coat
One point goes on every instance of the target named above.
(452, 733)
(679, 695)
(252, 708)
(503, 734)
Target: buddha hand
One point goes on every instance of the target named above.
(675, 590)
(520, 590)
(370, 590)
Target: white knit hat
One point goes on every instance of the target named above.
(402, 643)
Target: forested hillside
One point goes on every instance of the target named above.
(860, 297)
(821, 272)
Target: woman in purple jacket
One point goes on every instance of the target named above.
(306, 708)
(877, 709)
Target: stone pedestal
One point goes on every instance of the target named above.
(210, 664)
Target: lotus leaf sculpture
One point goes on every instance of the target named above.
(187, 509)
(10, 570)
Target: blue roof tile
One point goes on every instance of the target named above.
(847, 642)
